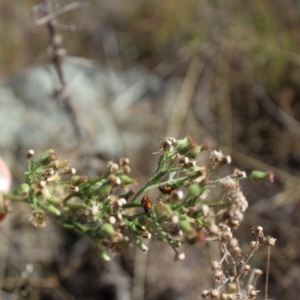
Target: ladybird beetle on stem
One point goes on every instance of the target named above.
(166, 189)
(146, 203)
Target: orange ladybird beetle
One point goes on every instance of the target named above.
(146, 203)
(166, 189)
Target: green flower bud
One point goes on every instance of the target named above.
(104, 255)
(53, 210)
(141, 245)
(194, 152)
(194, 190)
(258, 176)
(25, 188)
(54, 200)
(182, 146)
(107, 229)
(48, 157)
(126, 179)
(104, 189)
(75, 180)
(39, 171)
(143, 220)
(185, 226)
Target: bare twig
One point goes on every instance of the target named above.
(53, 15)
(57, 56)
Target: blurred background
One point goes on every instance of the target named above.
(135, 71)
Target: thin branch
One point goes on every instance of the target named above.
(53, 15)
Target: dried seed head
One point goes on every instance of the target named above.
(205, 294)
(229, 184)
(215, 294)
(213, 229)
(238, 174)
(112, 166)
(258, 231)
(247, 269)
(233, 243)
(217, 158)
(232, 288)
(38, 218)
(252, 293)
(166, 144)
(215, 265)
(254, 245)
(269, 241)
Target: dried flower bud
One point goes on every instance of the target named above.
(112, 166)
(66, 171)
(179, 256)
(112, 220)
(232, 288)
(29, 154)
(177, 195)
(217, 158)
(215, 294)
(94, 208)
(258, 231)
(121, 202)
(215, 265)
(73, 189)
(252, 293)
(114, 180)
(238, 174)
(205, 294)
(175, 219)
(254, 245)
(247, 269)
(55, 177)
(269, 241)
(166, 144)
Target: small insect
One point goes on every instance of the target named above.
(146, 203)
(166, 189)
